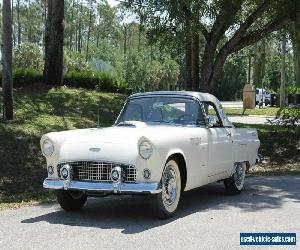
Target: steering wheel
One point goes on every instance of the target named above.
(180, 118)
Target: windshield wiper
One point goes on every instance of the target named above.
(160, 121)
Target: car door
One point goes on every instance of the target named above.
(220, 144)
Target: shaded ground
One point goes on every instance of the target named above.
(44, 110)
(38, 112)
(207, 219)
(280, 148)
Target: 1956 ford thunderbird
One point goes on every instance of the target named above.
(162, 143)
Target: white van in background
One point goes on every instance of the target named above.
(262, 96)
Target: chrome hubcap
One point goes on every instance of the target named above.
(239, 174)
(169, 186)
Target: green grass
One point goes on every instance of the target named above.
(269, 111)
(22, 166)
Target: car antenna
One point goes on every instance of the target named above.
(98, 106)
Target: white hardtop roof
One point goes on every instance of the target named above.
(206, 97)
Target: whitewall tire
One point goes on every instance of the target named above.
(166, 202)
(235, 183)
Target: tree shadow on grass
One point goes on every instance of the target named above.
(132, 214)
(60, 102)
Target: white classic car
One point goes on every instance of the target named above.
(162, 143)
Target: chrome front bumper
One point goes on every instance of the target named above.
(89, 186)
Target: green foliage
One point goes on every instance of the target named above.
(153, 75)
(233, 79)
(259, 65)
(28, 55)
(83, 79)
(89, 79)
(25, 76)
(136, 41)
(293, 90)
(171, 74)
(74, 61)
(290, 114)
(135, 71)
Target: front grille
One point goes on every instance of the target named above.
(98, 171)
(130, 173)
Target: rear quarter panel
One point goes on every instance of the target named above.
(246, 144)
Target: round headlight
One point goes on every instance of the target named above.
(64, 173)
(145, 150)
(116, 173)
(47, 148)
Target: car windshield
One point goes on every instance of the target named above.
(172, 110)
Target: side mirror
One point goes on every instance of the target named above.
(212, 121)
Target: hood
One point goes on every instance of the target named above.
(118, 142)
(128, 133)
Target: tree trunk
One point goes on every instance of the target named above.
(88, 37)
(297, 43)
(7, 83)
(44, 20)
(28, 18)
(212, 69)
(79, 32)
(192, 62)
(207, 66)
(18, 22)
(297, 60)
(98, 37)
(71, 31)
(282, 73)
(259, 65)
(249, 69)
(76, 26)
(54, 38)
(12, 22)
(125, 40)
(140, 32)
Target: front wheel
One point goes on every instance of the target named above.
(166, 202)
(71, 200)
(235, 183)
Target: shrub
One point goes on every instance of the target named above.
(74, 61)
(84, 79)
(23, 76)
(89, 79)
(28, 55)
(293, 90)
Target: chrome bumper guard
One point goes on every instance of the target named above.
(88, 186)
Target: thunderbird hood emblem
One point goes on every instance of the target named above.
(95, 149)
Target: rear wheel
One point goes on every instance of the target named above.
(71, 200)
(166, 202)
(235, 183)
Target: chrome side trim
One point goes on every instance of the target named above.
(138, 188)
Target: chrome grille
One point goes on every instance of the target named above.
(98, 171)
(130, 173)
